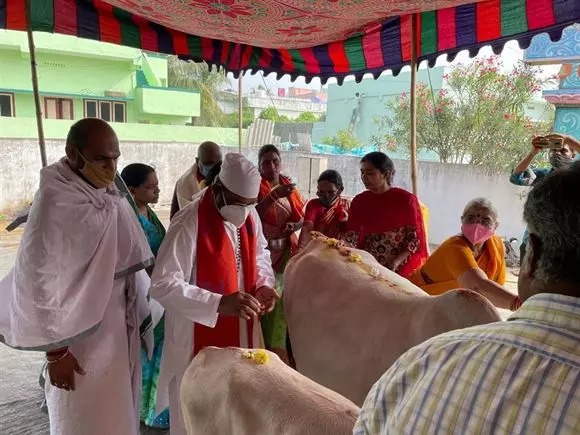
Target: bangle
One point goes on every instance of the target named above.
(60, 358)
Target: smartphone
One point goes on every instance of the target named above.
(551, 143)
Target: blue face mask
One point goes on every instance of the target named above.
(204, 169)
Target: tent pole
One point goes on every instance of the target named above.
(413, 104)
(240, 92)
(34, 75)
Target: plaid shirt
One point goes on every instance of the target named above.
(516, 377)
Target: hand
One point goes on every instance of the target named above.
(536, 149)
(61, 372)
(239, 305)
(568, 140)
(267, 297)
(283, 191)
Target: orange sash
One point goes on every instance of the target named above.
(216, 271)
(296, 202)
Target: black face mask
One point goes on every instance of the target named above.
(328, 202)
(559, 161)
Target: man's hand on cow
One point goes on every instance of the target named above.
(240, 305)
(62, 366)
(268, 297)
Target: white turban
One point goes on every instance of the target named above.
(240, 176)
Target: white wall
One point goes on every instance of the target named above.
(444, 188)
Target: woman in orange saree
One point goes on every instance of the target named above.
(280, 207)
(474, 259)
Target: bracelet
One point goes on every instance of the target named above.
(60, 358)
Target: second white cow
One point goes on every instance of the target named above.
(349, 318)
(223, 393)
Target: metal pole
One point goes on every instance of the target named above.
(240, 92)
(31, 48)
(414, 103)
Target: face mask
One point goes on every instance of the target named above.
(235, 214)
(328, 202)
(558, 161)
(204, 169)
(97, 175)
(476, 233)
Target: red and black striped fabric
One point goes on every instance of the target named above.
(387, 46)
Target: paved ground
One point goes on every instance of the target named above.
(20, 393)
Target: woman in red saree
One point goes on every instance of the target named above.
(386, 221)
(327, 214)
(280, 207)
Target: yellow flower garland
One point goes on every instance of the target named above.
(354, 257)
(260, 356)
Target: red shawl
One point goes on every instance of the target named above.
(216, 271)
(296, 204)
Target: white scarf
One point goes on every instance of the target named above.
(77, 241)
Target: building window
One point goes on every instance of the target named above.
(58, 108)
(7, 105)
(111, 111)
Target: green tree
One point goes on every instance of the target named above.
(247, 118)
(344, 139)
(270, 113)
(306, 117)
(478, 118)
(192, 75)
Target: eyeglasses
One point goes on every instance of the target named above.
(474, 219)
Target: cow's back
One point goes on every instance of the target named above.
(349, 318)
(223, 393)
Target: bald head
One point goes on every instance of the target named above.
(95, 140)
(208, 154)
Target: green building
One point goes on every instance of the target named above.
(84, 78)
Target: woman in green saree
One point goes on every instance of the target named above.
(141, 181)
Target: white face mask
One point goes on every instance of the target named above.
(235, 214)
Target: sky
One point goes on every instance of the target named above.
(509, 56)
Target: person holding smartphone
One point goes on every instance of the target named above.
(524, 175)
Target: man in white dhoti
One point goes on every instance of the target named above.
(78, 289)
(189, 184)
(213, 276)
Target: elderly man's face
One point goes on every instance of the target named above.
(102, 147)
(224, 197)
(209, 155)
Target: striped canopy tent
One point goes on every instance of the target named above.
(309, 38)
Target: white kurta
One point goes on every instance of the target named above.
(187, 187)
(185, 303)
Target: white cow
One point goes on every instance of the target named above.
(223, 393)
(349, 318)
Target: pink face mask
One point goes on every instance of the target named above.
(476, 233)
